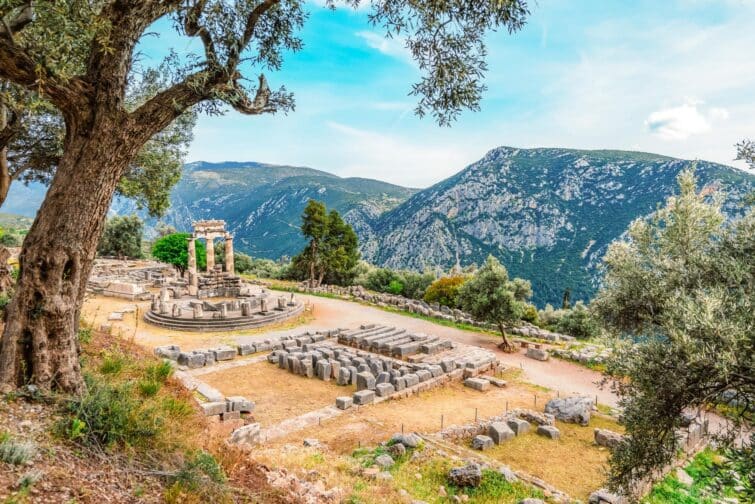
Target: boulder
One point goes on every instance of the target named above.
(571, 409)
(467, 476)
(384, 461)
(500, 432)
(549, 431)
(248, 434)
(397, 450)
(603, 496)
(410, 440)
(531, 500)
(518, 425)
(607, 438)
(482, 442)
(508, 474)
(537, 354)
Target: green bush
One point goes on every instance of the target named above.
(395, 287)
(173, 249)
(149, 388)
(109, 415)
(445, 291)
(578, 322)
(112, 364)
(159, 372)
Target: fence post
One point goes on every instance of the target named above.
(536, 400)
(441, 422)
(475, 415)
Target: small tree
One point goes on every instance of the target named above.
(445, 291)
(122, 237)
(314, 225)
(491, 297)
(682, 288)
(578, 322)
(173, 249)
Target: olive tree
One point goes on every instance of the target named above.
(679, 291)
(79, 56)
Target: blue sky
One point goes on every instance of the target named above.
(674, 77)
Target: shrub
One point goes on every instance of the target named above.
(149, 388)
(15, 452)
(530, 314)
(173, 249)
(112, 364)
(159, 371)
(578, 322)
(415, 284)
(445, 291)
(122, 237)
(201, 476)
(395, 287)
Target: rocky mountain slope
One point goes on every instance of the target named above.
(548, 214)
(262, 204)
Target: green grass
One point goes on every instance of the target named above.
(713, 480)
(15, 452)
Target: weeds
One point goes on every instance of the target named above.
(15, 452)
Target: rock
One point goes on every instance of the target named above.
(607, 438)
(684, 478)
(519, 426)
(344, 402)
(213, 408)
(531, 501)
(571, 409)
(240, 404)
(397, 450)
(500, 432)
(537, 354)
(603, 496)
(248, 434)
(311, 442)
(508, 474)
(191, 360)
(365, 381)
(482, 442)
(549, 431)
(384, 476)
(384, 389)
(410, 440)
(364, 397)
(168, 352)
(224, 353)
(384, 461)
(467, 476)
(477, 384)
(496, 382)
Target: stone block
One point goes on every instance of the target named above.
(383, 377)
(424, 375)
(365, 381)
(435, 370)
(323, 370)
(519, 426)
(496, 382)
(224, 353)
(168, 352)
(307, 369)
(549, 431)
(248, 434)
(537, 354)
(477, 384)
(500, 432)
(353, 372)
(571, 409)
(335, 368)
(240, 404)
(399, 383)
(411, 380)
(482, 442)
(364, 397)
(246, 349)
(282, 359)
(344, 376)
(191, 360)
(384, 389)
(448, 365)
(230, 415)
(607, 438)
(344, 402)
(213, 408)
(209, 357)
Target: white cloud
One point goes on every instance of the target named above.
(394, 47)
(683, 121)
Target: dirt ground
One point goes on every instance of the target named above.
(277, 394)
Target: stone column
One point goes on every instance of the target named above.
(210, 253)
(193, 279)
(229, 266)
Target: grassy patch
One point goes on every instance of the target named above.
(714, 477)
(15, 452)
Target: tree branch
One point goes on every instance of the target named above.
(194, 29)
(246, 37)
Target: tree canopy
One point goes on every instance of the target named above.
(445, 291)
(122, 237)
(491, 297)
(680, 290)
(173, 249)
(333, 249)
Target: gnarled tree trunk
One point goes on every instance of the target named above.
(39, 344)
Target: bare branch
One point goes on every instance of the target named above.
(194, 29)
(251, 24)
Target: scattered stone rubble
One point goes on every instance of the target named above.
(500, 428)
(128, 279)
(370, 358)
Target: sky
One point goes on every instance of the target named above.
(673, 77)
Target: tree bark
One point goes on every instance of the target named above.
(39, 344)
(505, 345)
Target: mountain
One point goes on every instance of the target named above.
(262, 204)
(548, 214)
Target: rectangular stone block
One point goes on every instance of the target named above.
(248, 434)
(344, 402)
(240, 404)
(365, 381)
(307, 369)
(168, 352)
(384, 389)
(323, 370)
(230, 415)
(537, 354)
(224, 353)
(213, 408)
(411, 380)
(477, 384)
(364, 397)
(246, 349)
(424, 375)
(344, 377)
(518, 425)
(191, 360)
(500, 432)
(383, 377)
(435, 370)
(399, 383)
(335, 368)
